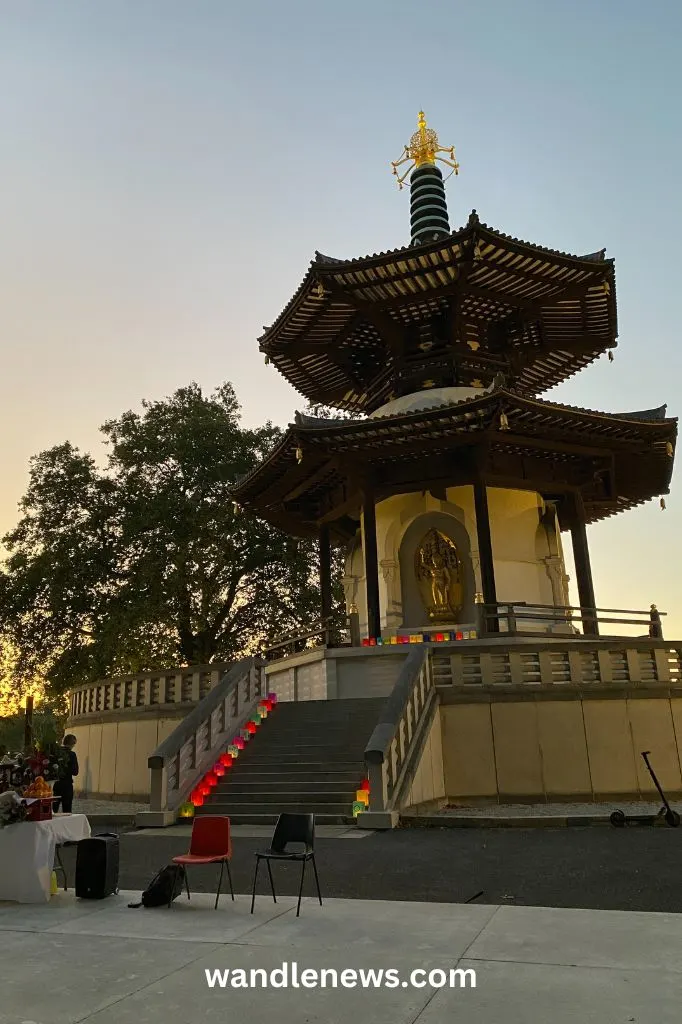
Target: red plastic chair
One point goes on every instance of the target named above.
(211, 843)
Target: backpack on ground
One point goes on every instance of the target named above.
(164, 887)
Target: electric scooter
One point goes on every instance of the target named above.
(666, 815)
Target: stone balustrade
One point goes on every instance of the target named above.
(146, 690)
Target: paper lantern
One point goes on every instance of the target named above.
(197, 800)
(363, 796)
(379, 641)
(226, 759)
(272, 697)
(365, 642)
(204, 789)
(458, 636)
(219, 769)
(211, 779)
(233, 750)
(257, 718)
(186, 810)
(251, 727)
(358, 808)
(473, 634)
(364, 785)
(372, 641)
(245, 735)
(239, 742)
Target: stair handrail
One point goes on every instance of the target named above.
(188, 752)
(393, 751)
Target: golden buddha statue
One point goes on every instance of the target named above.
(439, 575)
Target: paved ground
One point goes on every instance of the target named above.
(99, 962)
(596, 867)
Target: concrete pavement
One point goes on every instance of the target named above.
(75, 961)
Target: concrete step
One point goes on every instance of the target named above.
(282, 796)
(342, 809)
(271, 819)
(270, 778)
(303, 784)
(308, 755)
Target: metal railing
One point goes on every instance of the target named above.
(326, 633)
(195, 744)
(394, 749)
(512, 617)
(147, 689)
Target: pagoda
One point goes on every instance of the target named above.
(452, 481)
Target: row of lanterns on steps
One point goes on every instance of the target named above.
(227, 759)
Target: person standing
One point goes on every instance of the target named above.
(68, 770)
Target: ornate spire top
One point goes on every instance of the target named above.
(423, 150)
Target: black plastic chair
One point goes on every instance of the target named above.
(290, 828)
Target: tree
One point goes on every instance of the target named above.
(148, 563)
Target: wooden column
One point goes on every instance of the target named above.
(583, 568)
(485, 551)
(325, 572)
(369, 545)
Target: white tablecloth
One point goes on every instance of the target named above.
(27, 855)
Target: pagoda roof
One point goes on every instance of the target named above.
(336, 338)
(617, 461)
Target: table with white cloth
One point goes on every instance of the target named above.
(27, 851)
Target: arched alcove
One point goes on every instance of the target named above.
(414, 612)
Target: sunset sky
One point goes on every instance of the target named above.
(169, 169)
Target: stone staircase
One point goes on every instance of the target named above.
(307, 756)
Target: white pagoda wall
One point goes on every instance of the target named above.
(527, 555)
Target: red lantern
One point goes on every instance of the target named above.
(364, 785)
(458, 636)
(204, 789)
(197, 799)
(226, 760)
(238, 741)
(211, 779)
(365, 642)
(219, 769)
(251, 726)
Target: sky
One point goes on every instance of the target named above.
(169, 169)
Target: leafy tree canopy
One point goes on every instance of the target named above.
(147, 563)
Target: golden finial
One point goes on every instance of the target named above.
(424, 149)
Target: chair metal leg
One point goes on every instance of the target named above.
(317, 881)
(300, 890)
(220, 882)
(229, 876)
(61, 865)
(187, 883)
(255, 876)
(272, 884)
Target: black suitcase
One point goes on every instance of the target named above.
(97, 867)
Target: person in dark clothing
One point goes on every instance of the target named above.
(68, 769)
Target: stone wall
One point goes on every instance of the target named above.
(576, 746)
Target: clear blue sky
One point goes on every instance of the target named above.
(169, 168)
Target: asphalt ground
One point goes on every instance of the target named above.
(595, 867)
